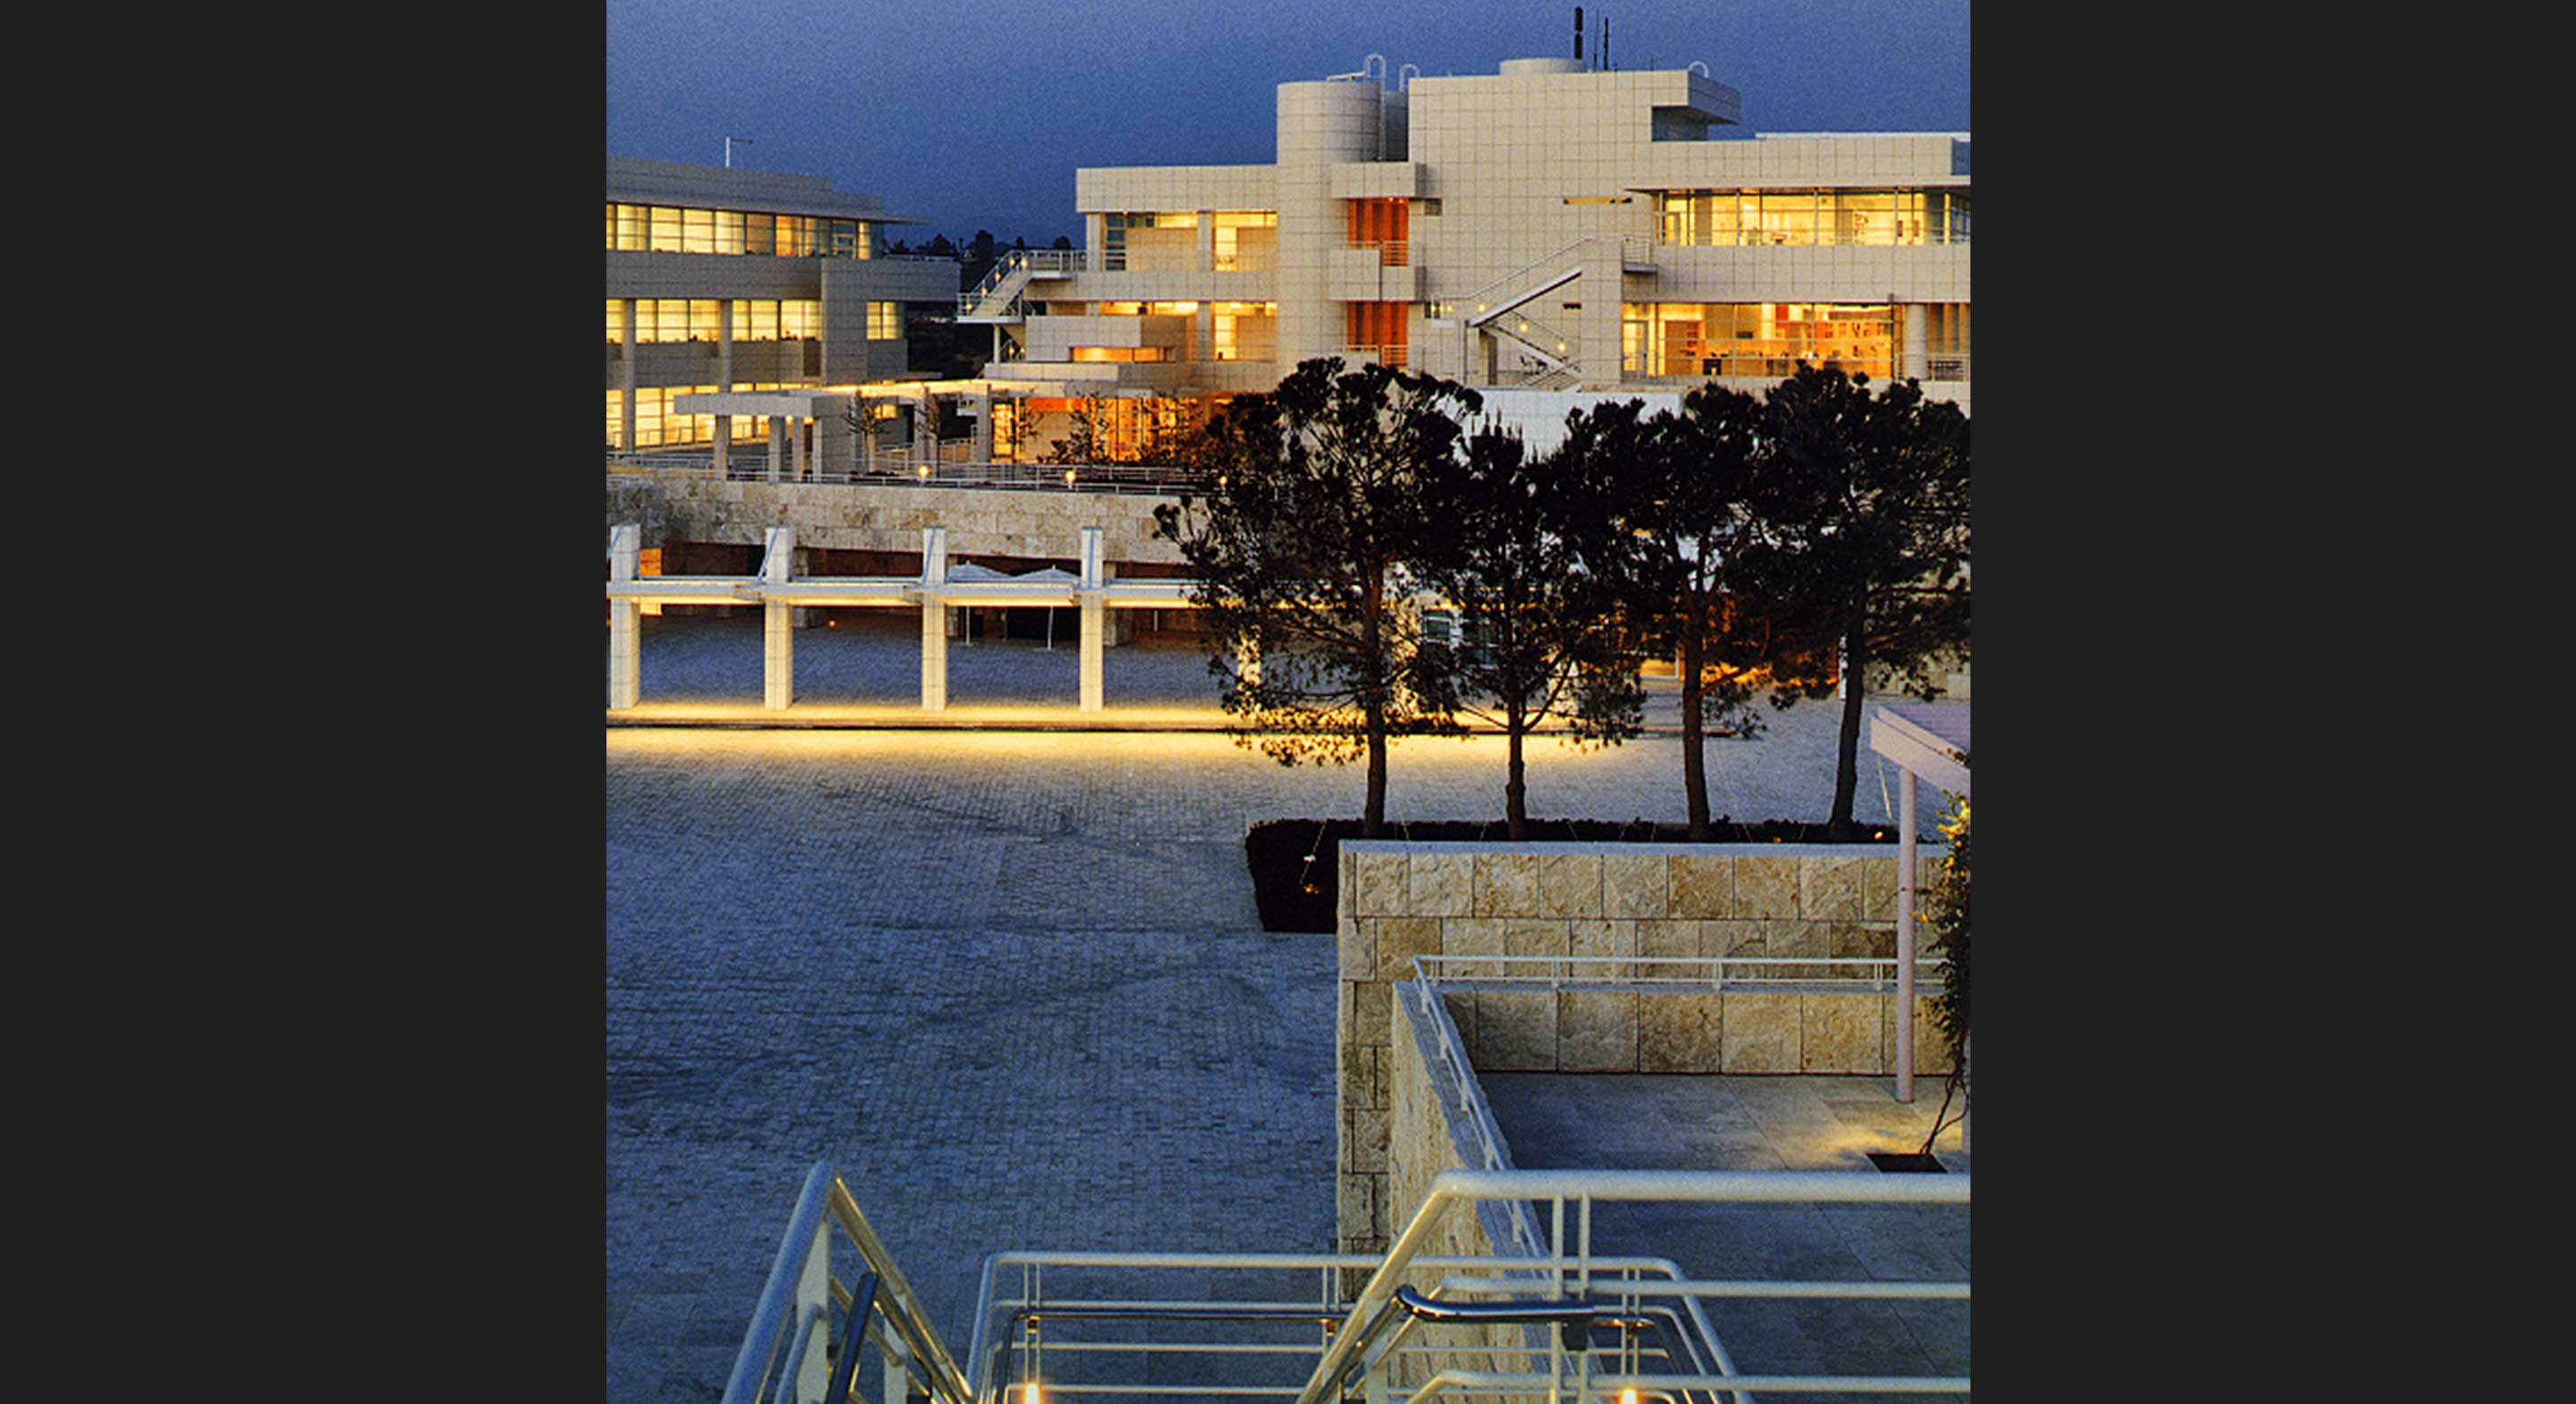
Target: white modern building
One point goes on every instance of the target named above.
(1552, 232)
(768, 288)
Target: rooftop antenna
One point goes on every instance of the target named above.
(729, 141)
(1605, 42)
(1578, 33)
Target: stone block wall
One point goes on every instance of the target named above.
(1426, 1137)
(980, 521)
(1639, 901)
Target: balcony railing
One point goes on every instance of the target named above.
(1391, 357)
(1128, 478)
(1391, 253)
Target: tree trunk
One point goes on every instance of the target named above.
(1515, 793)
(1847, 745)
(1373, 816)
(1694, 764)
(1373, 703)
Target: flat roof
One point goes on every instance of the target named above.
(1927, 738)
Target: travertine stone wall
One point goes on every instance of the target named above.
(1425, 1138)
(846, 518)
(1400, 900)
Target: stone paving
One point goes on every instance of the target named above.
(1010, 983)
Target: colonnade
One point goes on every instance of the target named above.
(779, 592)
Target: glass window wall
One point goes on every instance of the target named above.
(1813, 218)
(682, 229)
(1764, 340)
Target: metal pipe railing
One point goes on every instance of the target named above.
(1701, 973)
(1138, 478)
(1368, 1315)
(883, 1294)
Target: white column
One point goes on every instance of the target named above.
(1094, 608)
(626, 378)
(724, 443)
(777, 655)
(625, 544)
(777, 443)
(1093, 611)
(777, 636)
(1918, 362)
(724, 346)
(934, 620)
(1905, 938)
(984, 426)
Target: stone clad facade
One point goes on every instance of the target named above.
(980, 521)
(1633, 901)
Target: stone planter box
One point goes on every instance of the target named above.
(1632, 901)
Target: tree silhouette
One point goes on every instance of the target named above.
(1305, 547)
(1864, 499)
(1661, 519)
(1540, 637)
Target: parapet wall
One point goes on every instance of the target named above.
(1633, 901)
(834, 516)
(1428, 1138)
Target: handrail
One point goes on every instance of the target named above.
(883, 1293)
(1152, 479)
(1533, 266)
(947, 1380)
(1713, 971)
(1454, 1187)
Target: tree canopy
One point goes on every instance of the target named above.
(1865, 502)
(1307, 547)
(1539, 637)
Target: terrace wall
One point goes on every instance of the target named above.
(1638, 901)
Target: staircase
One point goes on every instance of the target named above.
(1494, 309)
(998, 299)
(1543, 1314)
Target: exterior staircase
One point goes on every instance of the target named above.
(1495, 309)
(1000, 298)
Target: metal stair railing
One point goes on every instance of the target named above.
(1010, 277)
(1369, 1333)
(774, 1360)
(1537, 265)
(1071, 1317)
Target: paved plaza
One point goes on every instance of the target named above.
(1010, 983)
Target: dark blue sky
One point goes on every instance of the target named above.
(974, 115)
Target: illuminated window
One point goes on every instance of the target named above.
(617, 321)
(1812, 218)
(1245, 331)
(681, 229)
(1382, 225)
(1762, 340)
(1246, 240)
(1165, 241)
(885, 321)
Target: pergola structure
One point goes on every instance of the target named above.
(1931, 743)
(938, 589)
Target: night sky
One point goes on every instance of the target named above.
(974, 116)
